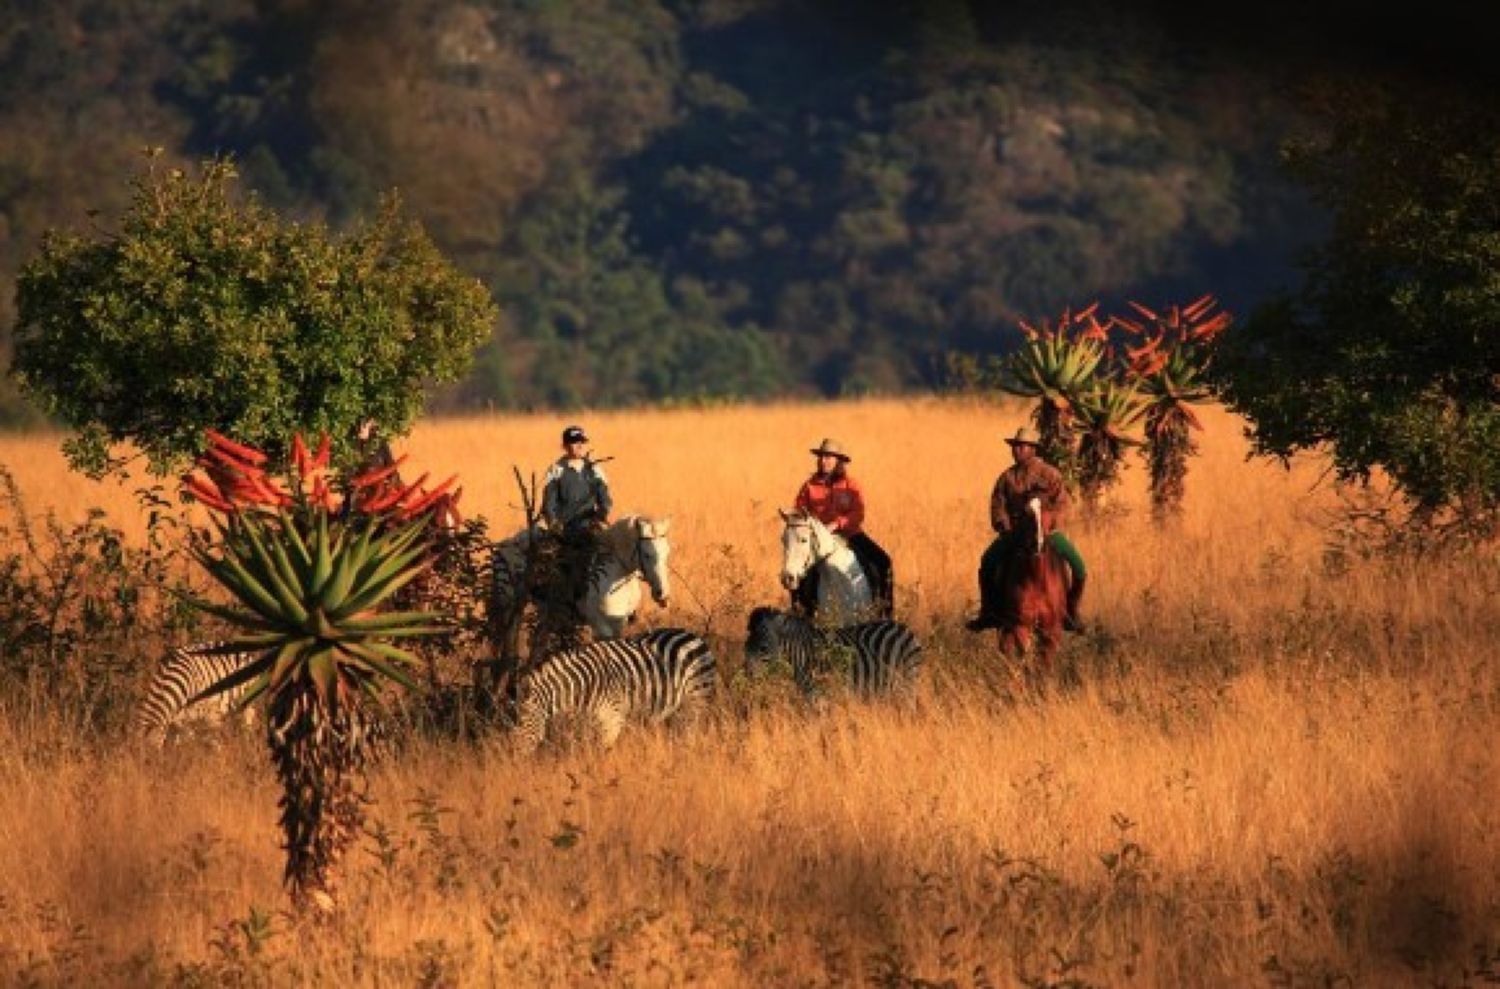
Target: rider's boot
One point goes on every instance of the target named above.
(1073, 622)
(989, 615)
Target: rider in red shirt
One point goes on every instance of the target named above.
(835, 499)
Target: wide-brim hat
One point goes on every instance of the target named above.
(830, 448)
(1025, 435)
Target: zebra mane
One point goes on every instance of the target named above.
(760, 616)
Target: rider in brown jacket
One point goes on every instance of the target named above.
(1029, 477)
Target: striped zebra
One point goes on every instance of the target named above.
(187, 672)
(649, 678)
(882, 655)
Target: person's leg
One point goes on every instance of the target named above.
(805, 595)
(1069, 553)
(876, 564)
(990, 565)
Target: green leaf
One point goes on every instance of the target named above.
(363, 653)
(289, 662)
(322, 556)
(322, 669)
(244, 674)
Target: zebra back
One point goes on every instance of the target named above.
(882, 655)
(187, 672)
(648, 677)
(886, 654)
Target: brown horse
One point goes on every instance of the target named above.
(1033, 590)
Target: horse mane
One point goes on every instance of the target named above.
(619, 536)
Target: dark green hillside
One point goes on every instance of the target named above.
(673, 198)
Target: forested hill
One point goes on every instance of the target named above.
(674, 198)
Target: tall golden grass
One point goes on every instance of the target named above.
(1269, 770)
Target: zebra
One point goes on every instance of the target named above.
(884, 654)
(187, 672)
(651, 677)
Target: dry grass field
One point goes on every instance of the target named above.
(1268, 765)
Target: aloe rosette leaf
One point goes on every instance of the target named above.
(295, 609)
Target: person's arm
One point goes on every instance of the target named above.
(999, 515)
(551, 494)
(604, 502)
(804, 499)
(852, 519)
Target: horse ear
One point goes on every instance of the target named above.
(663, 525)
(786, 516)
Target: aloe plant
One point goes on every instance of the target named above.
(1168, 369)
(1057, 367)
(1107, 417)
(308, 580)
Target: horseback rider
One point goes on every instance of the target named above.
(835, 498)
(374, 449)
(576, 503)
(372, 452)
(1030, 477)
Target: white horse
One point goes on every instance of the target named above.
(844, 592)
(634, 546)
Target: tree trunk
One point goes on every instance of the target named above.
(320, 754)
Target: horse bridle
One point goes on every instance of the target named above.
(812, 537)
(639, 565)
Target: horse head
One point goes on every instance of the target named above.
(446, 517)
(1031, 529)
(650, 552)
(654, 554)
(804, 542)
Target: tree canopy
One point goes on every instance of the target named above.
(202, 310)
(1389, 357)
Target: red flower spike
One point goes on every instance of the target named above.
(381, 502)
(1198, 307)
(1212, 328)
(428, 500)
(268, 493)
(300, 457)
(325, 448)
(375, 475)
(204, 492)
(248, 454)
(1145, 312)
(1144, 350)
(412, 490)
(1096, 330)
(1088, 313)
(228, 460)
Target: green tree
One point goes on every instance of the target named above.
(1389, 356)
(202, 311)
